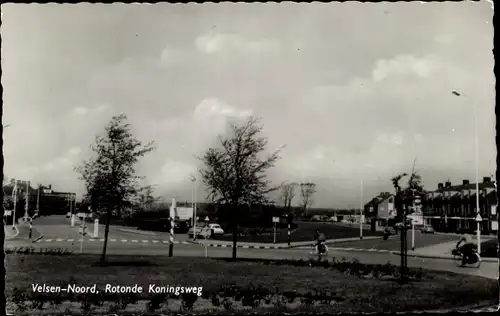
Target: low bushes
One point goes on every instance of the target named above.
(225, 297)
(41, 251)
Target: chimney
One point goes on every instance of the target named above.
(440, 185)
(447, 184)
(486, 180)
(465, 182)
(50, 186)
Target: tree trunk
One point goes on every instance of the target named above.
(106, 232)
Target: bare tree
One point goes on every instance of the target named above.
(235, 174)
(307, 191)
(110, 180)
(287, 193)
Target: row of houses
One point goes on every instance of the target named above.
(449, 207)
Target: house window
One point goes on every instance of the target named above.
(493, 210)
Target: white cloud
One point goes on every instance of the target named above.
(405, 65)
(170, 56)
(212, 43)
(82, 110)
(74, 151)
(175, 173)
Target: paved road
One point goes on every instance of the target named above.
(58, 227)
(488, 269)
(394, 243)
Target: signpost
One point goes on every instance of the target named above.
(479, 219)
(83, 232)
(172, 226)
(275, 220)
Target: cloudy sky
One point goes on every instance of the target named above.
(356, 91)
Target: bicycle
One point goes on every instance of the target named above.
(473, 261)
(318, 255)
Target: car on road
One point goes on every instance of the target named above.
(215, 230)
(427, 229)
(201, 231)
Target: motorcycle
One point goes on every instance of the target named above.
(473, 260)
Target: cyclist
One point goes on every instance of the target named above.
(320, 239)
(466, 247)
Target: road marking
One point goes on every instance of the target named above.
(145, 241)
(102, 239)
(58, 239)
(165, 241)
(112, 239)
(155, 241)
(70, 240)
(48, 240)
(135, 240)
(123, 240)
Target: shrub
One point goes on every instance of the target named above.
(188, 300)
(226, 302)
(307, 299)
(215, 299)
(156, 302)
(19, 298)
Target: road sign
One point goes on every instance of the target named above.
(479, 218)
(276, 219)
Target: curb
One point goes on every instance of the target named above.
(487, 259)
(145, 241)
(12, 237)
(272, 246)
(138, 232)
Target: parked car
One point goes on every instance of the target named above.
(201, 231)
(215, 230)
(427, 230)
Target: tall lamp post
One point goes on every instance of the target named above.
(476, 150)
(195, 184)
(361, 213)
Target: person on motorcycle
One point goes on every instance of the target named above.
(466, 248)
(320, 239)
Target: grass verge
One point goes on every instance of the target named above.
(304, 232)
(237, 285)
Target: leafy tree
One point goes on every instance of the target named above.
(110, 180)
(307, 191)
(235, 173)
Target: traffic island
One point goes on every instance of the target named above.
(261, 286)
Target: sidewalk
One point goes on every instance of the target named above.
(439, 251)
(241, 244)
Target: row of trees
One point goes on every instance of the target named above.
(234, 174)
(307, 190)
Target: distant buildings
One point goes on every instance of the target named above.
(453, 207)
(450, 208)
(380, 210)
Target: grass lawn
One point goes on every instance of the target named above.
(349, 293)
(305, 232)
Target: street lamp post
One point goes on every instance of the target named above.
(361, 213)
(195, 183)
(476, 149)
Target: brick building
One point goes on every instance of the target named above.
(452, 208)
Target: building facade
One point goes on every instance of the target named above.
(380, 210)
(452, 208)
